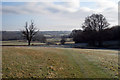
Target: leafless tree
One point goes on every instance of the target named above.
(96, 22)
(29, 32)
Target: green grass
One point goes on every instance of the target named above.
(41, 62)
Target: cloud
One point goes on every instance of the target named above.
(42, 7)
(72, 6)
(65, 13)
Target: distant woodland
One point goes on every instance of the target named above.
(40, 36)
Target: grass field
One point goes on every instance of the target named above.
(19, 43)
(43, 62)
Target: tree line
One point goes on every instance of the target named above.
(17, 35)
(95, 30)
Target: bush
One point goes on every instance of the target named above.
(62, 41)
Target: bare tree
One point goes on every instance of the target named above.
(96, 22)
(29, 32)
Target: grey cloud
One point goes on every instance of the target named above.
(53, 10)
(64, 14)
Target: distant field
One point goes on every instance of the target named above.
(20, 43)
(43, 62)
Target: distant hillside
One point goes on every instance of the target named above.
(56, 33)
(16, 35)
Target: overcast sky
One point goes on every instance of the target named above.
(56, 16)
